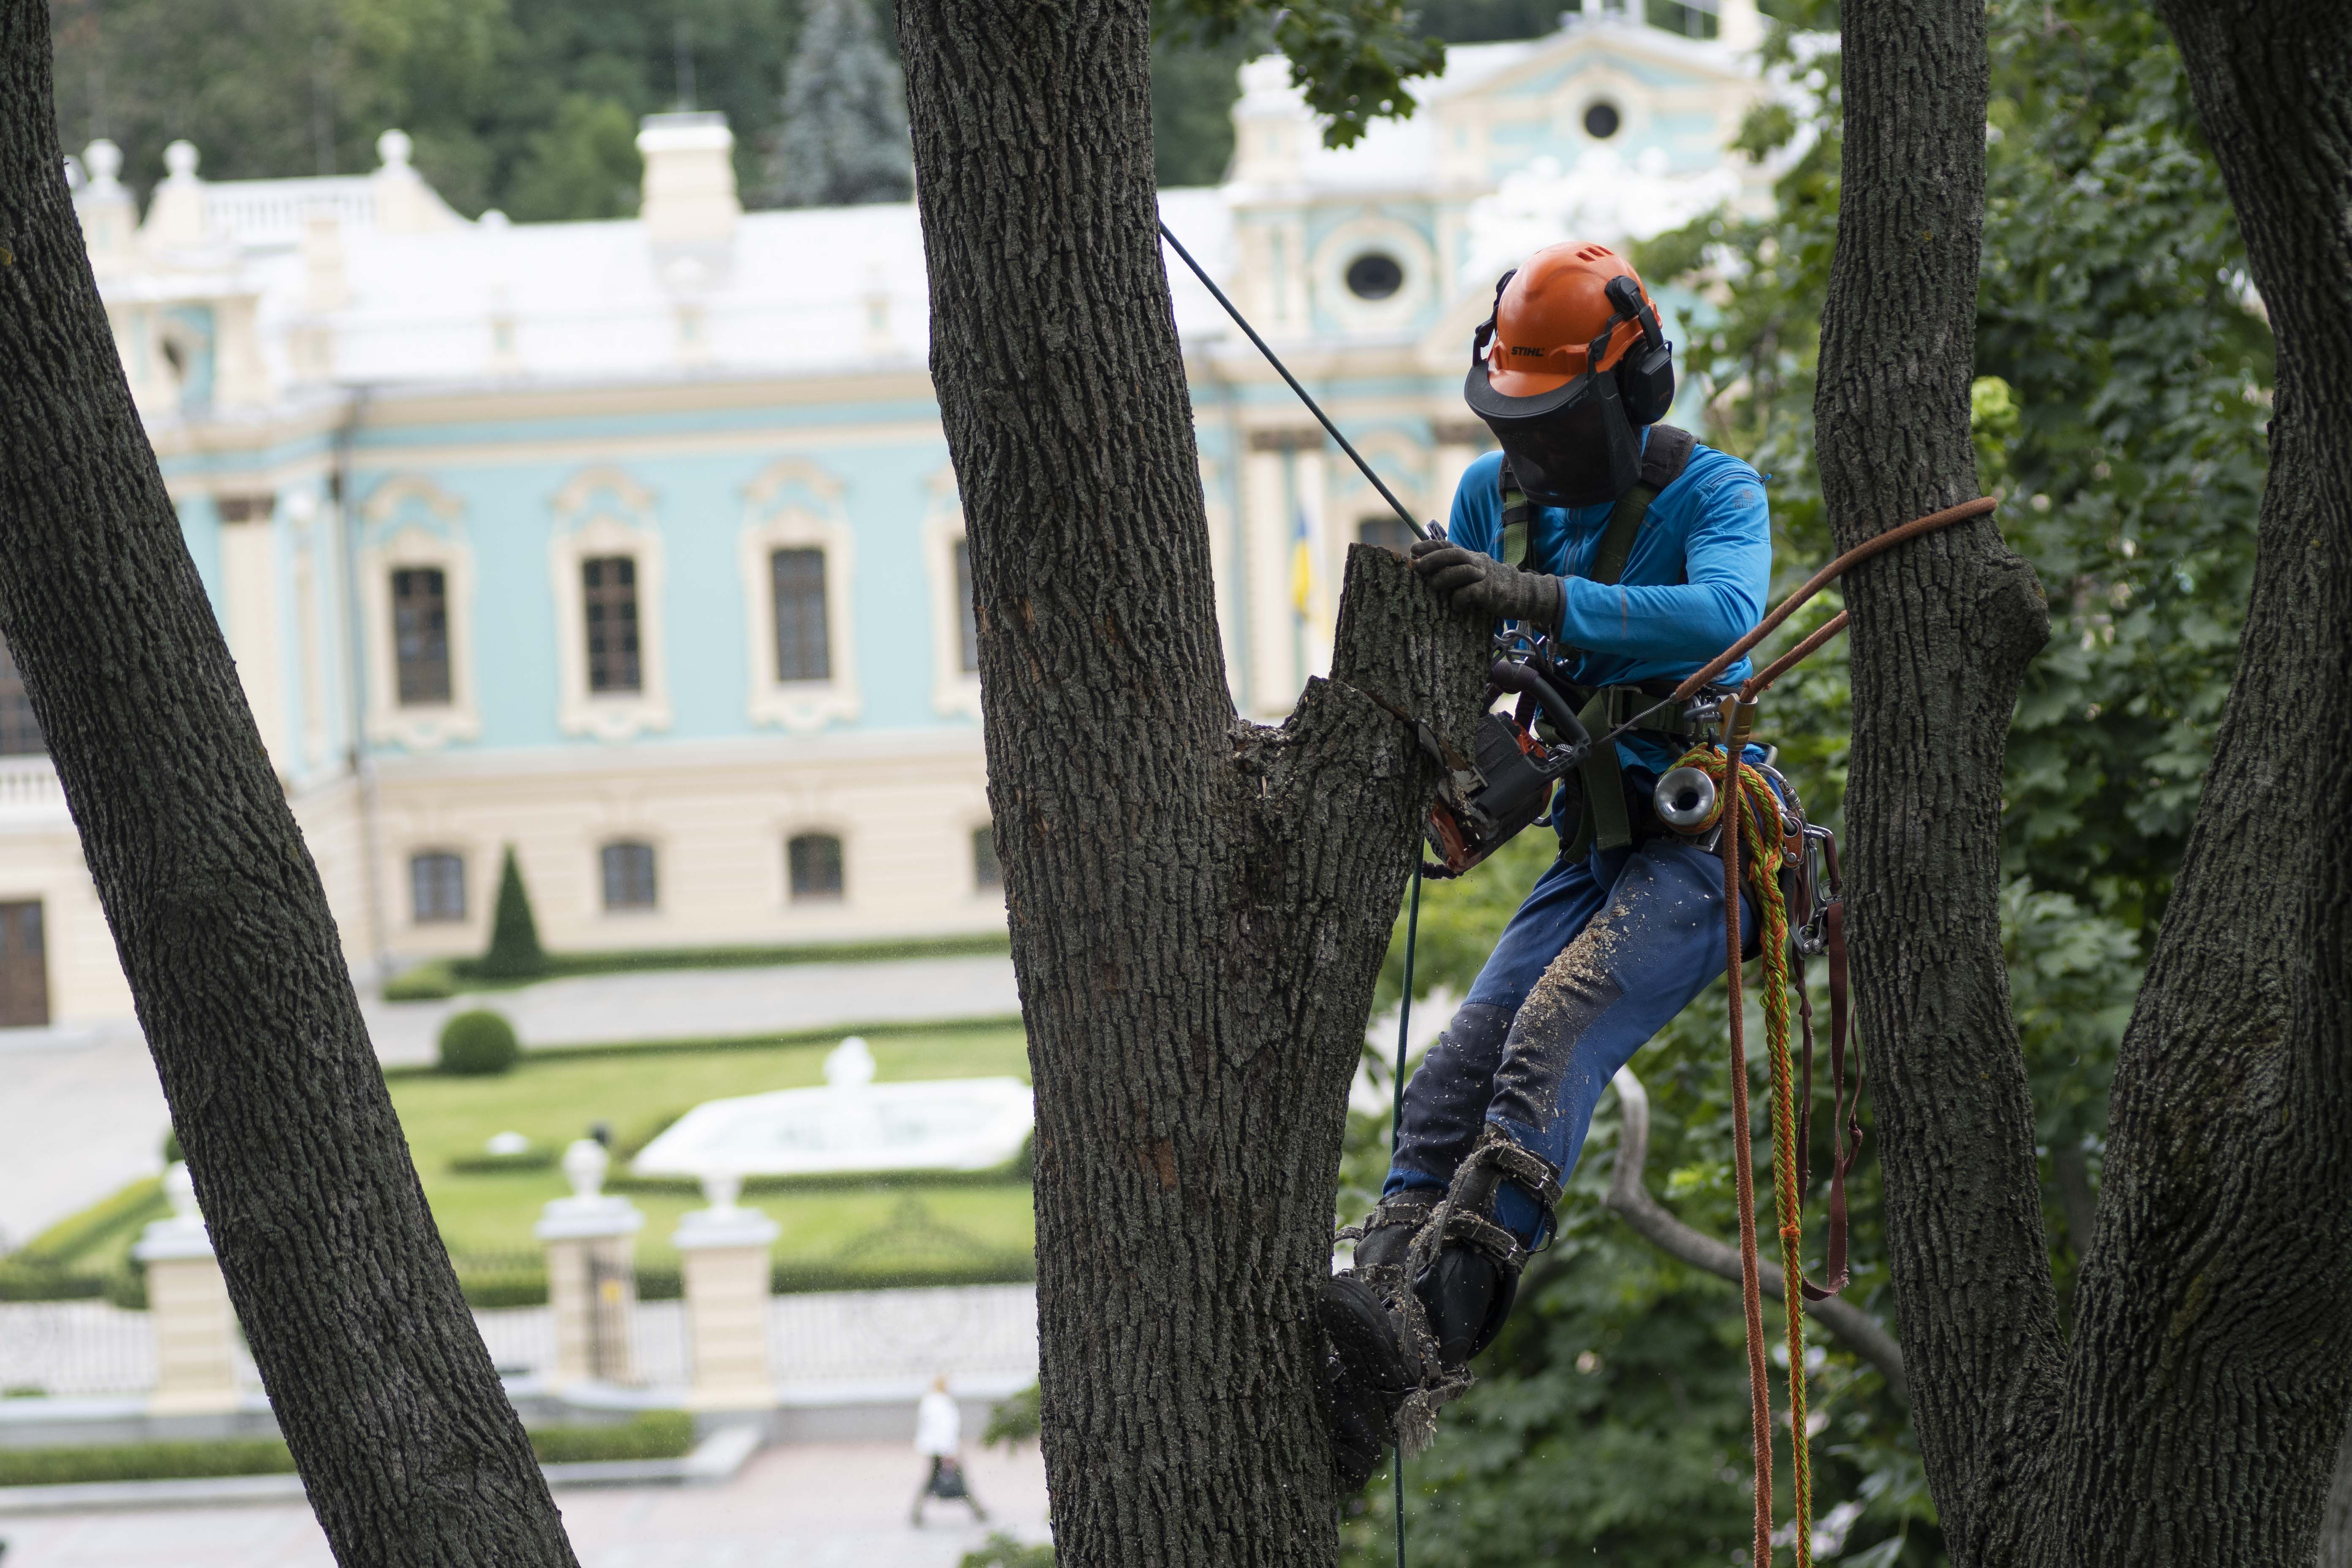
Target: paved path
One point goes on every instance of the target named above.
(682, 1004)
(799, 1505)
(81, 1113)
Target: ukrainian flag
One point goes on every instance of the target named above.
(1302, 568)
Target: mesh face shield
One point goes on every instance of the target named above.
(1573, 446)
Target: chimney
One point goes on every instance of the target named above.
(689, 190)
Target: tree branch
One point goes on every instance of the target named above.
(1631, 1201)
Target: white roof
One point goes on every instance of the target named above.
(794, 292)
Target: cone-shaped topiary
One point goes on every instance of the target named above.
(514, 934)
(479, 1042)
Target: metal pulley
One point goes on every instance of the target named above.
(1685, 798)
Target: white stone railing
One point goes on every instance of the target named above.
(30, 795)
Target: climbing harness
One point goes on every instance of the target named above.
(1547, 744)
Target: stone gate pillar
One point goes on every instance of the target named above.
(591, 1281)
(187, 1307)
(724, 1252)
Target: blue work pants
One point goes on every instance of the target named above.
(1604, 952)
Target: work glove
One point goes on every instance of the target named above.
(1471, 581)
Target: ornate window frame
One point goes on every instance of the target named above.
(1368, 231)
(602, 511)
(410, 521)
(954, 689)
(794, 504)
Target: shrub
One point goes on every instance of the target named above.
(31, 1280)
(144, 1461)
(1015, 1420)
(514, 951)
(655, 1435)
(432, 980)
(491, 1164)
(478, 1042)
(85, 1230)
(1002, 1550)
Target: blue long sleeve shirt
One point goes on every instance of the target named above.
(1692, 585)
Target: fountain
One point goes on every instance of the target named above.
(851, 1124)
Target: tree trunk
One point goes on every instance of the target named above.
(2195, 1418)
(1199, 906)
(1942, 631)
(2213, 1363)
(408, 1447)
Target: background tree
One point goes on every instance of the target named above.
(843, 140)
(1198, 905)
(2194, 1415)
(408, 1447)
(2123, 377)
(514, 949)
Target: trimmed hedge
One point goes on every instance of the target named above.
(1013, 1173)
(491, 1164)
(655, 1435)
(86, 1229)
(479, 1044)
(528, 1287)
(35, 1281)
(144, 1461)
(829, 1035)
(438, 979)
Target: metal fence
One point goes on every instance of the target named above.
(70, 1348)
(78, 1347)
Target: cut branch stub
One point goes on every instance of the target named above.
(1401, 644)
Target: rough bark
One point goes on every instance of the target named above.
(2213, 1359)
(1199, 906)
(1942, 631)
(409, 1449)
(1629, 1198)
(2194, 1418)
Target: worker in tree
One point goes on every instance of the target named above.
(1642, 554)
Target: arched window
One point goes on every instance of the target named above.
(987, 874)
(437, 886)
(813, 860)
(629, 882)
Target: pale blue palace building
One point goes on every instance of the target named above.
(636, 545)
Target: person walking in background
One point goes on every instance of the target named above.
(939, 1437)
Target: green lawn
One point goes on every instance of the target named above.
(554, 1102)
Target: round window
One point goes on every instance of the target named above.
(1375, 275)
(1601, 121)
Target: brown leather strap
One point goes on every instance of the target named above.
(1845, 1116)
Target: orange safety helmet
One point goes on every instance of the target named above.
(1571, 361)
(1550, 314)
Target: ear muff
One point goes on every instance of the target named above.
(1645, 374)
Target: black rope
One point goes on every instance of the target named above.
(1312, 406)
(1396, 1130)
